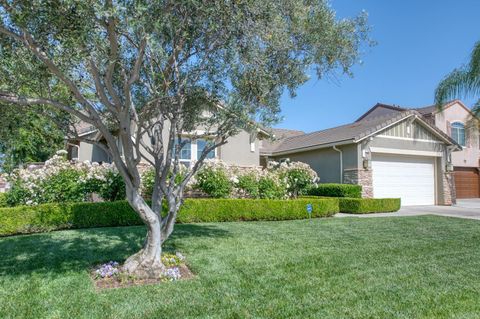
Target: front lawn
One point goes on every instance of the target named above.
(407, 267)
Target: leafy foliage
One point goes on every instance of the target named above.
(3, 200)
(247, 184)
(48, 217)
(369, 205)
(336, 190)
(271, 186)
(299, 176)
(214, 181)
(60, 181)
(462, 82)
(30, 135)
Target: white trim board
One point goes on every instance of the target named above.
(409, 139)
(384, 150)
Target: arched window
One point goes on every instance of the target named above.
(458, 133)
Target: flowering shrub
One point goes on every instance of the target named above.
(299, 176)
(247, 185)
(59, 181)
(272, 186)
(214, 180)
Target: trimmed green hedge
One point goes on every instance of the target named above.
(3, 200)
(369, 205)
(336, 190)
(222, 210)
(48, 217)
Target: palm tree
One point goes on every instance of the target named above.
(462, 82)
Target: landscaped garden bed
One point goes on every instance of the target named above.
(111, 275)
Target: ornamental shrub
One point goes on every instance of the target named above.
(299, 177)
(369, 205)
(336, 190)
(113, 189)
(247, 185)
(271, 186)
(3, 200)
(59, 181)
(55, 216)
(214, 181)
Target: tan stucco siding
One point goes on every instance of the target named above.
(326, 161)
(238, 151)
(92, 153)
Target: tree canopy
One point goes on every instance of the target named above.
(144, 73)
(30, 135)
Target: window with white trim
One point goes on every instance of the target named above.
(458, 133)
(192, 150)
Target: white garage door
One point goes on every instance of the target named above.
(412, 178)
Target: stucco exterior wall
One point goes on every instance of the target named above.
(326, 161)
(238, 151)
(92, 153)
(470, 155)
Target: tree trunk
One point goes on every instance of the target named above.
(146, 263)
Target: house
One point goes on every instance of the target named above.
(390, 151)
(424, 156)
(242, 150)
(458, 122)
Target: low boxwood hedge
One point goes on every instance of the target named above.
(336, 190)
(3, 200)
(369, 205)
(48, 217)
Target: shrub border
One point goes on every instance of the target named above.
(49, 217)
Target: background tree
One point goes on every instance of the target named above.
(145, 72)
(30, 135)
(462, 82)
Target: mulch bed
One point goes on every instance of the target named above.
(124, 281)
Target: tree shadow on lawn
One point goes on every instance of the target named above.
(76, 250)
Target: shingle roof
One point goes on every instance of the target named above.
(352, 132)
(278, 134)
(349, 132)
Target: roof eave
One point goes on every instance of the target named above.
(313, 147)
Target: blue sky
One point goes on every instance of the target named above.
(418, 43)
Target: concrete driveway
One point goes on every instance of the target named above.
(465, 208)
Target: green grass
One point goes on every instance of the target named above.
(406, 267)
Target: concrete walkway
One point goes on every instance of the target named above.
(465, 208)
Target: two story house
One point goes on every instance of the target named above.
(422, 155)
(457, 121)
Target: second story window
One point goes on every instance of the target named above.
(458, 133)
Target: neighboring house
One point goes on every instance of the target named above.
(390, 151)
(241, 150)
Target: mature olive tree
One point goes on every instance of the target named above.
(143, 73)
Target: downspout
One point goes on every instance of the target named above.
(341, 162)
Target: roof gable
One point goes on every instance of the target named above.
(411, 130)
(380, 109)
(359, 131)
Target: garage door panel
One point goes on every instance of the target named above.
(408, 177)
(467, 182)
